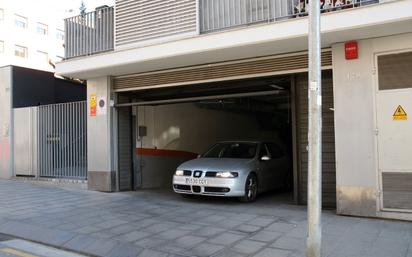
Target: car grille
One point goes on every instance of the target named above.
(210, 174)
(196, 189)
(197, 173)
(217, 190)
(187, 173)
(182, 187)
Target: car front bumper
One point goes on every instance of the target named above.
(230, 187)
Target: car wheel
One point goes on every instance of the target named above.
(251, 189)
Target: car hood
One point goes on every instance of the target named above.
(216, 164)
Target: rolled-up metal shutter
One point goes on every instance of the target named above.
(256, 67)
(328, 139)
(125, 150)
(142, 20)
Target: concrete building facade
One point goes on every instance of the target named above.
(31, 36)
(251, 60)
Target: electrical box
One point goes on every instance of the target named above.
(142, 131)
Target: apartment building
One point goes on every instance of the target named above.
(31, 35)
(167, 79)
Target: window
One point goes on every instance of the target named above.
(232, 150)
(275, 151)
(43, 56)
(20, 51)
(20, 22)
(263, 151)
(394, 71)
(1, 15)
(42, 29)
(60, 35)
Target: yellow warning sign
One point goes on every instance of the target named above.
(400, 114)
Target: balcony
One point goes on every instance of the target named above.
(218, 15)
(90, 33)
(142, 23)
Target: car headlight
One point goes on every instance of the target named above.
(226, 174)
(179, 172)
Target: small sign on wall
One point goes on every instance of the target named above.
(93, 104)
(351, 50)
(101, 106)
(400, 114)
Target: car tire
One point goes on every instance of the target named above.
(251, 189)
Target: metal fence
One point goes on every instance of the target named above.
(62, 140)
(223, 14)
(90, 33)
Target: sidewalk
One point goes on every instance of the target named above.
(158, 223)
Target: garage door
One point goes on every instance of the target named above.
(394, 137)
(125, 146)
(258, 67)
(328, 139)
(262, 68)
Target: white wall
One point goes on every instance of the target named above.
(355, 125)
(189, 128)
(185, 127)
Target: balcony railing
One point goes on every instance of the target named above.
(223, 14)
(142, 21)
(90, 33)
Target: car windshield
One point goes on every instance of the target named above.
(232, 150)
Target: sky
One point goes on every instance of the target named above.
(71, 7)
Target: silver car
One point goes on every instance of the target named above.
(234, 169)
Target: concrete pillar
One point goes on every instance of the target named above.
(101, 166)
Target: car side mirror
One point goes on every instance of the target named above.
(265, 158)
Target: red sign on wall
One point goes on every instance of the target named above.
(351, 50)
(93, 104)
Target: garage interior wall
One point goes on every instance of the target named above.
(181, 131)
(328, 139)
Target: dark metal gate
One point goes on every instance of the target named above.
(62, 140)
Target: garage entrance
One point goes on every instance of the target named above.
(159, 128)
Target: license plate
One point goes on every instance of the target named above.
(196, 181)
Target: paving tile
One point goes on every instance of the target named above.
(125, 250)
(101, 247)
(150, 242)
(189, 241)
(248, 246)
(160, 227)
(225, 238)
(172, 234)
(248, 228)
(206, 249)
(79, 243)
(209, 231)
(134, 236)
(262, 222)
(228, 253)
(281, 227)
(290, 243)
(266, 236)
(152, 253)
(271, 252)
